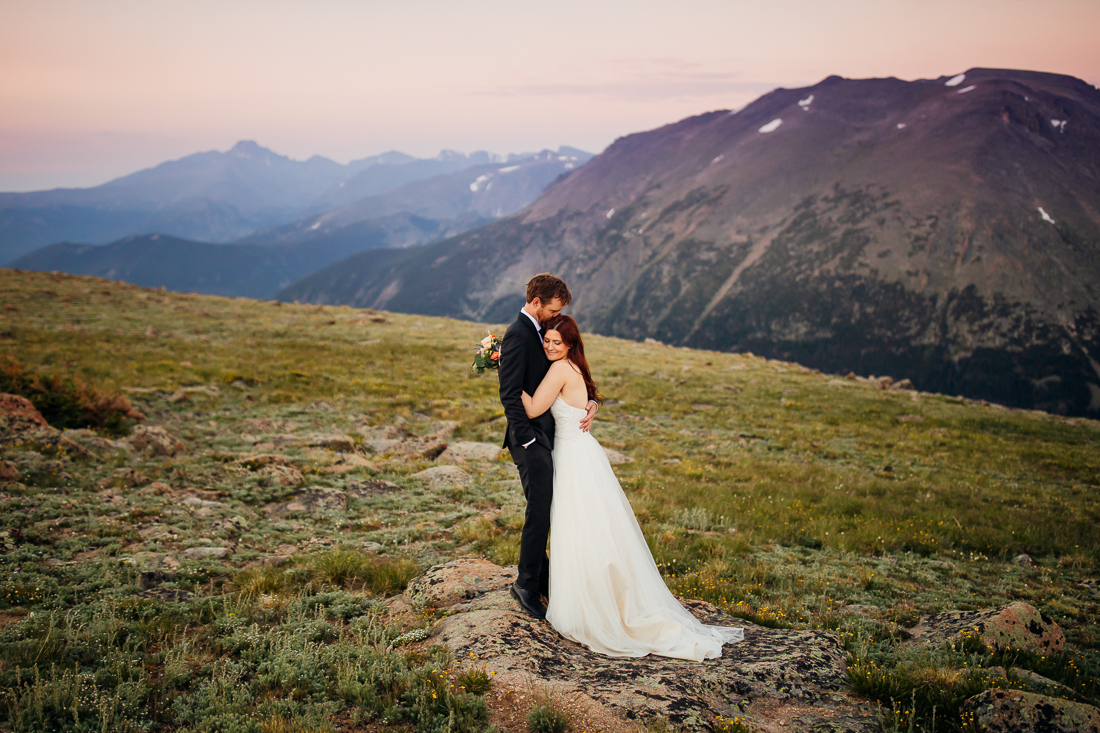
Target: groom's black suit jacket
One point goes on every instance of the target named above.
(523, 364)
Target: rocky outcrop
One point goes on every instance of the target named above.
(1015, 711)
(21, 422)
(1016, 626)
(790, 679)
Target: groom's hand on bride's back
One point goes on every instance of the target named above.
(590, 415)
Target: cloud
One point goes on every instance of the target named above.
(638, 80)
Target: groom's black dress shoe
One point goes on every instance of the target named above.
(529, 602)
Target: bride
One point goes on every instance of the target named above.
(605, 589)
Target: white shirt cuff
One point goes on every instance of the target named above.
(529, 442)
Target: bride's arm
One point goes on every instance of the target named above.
(548, 391)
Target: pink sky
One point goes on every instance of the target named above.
(93, 90)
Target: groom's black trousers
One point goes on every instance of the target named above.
(536, 473)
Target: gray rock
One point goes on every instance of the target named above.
(282, 475)
(1017, 626)
(793, 678)
(1016, 711)
(462, 451)
(197, 502)
(199, 553)
(151, 561)
(362, 488)
(154, 441)
(441, 476)
(381, 445)
(1023, 559)
(314, 500)
(616, 458)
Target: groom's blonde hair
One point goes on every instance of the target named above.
(546, 287)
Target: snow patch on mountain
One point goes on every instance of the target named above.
(805, 103)
(1045, 215)
(1059, 125)
(772, 126)
(508, 169)
(477, 183)
(964, 90)
(955, 81)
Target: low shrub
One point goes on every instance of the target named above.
(67, 402)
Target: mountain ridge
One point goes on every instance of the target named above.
(945, 230)
(210, 196)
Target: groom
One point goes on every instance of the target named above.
(523, 364)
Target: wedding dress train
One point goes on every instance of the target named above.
(605, 589)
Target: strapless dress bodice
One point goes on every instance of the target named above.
(567, 420)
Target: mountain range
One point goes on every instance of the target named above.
(944, 230)
(258, 265)
(213, 196)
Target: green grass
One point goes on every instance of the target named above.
(779, 494)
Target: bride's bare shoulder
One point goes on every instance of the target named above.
(566, 368)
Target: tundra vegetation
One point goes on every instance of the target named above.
(239, 582)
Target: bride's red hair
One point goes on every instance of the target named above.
(571, 337)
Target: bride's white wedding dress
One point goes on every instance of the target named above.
(605, 589)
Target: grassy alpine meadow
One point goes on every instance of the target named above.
(240, 585)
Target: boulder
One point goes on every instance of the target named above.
(795, 679)
(1016, 711)
(155, 441)
(1016, 626)
(463, 451)
(458, 581)
(442, 476)
(905, 385)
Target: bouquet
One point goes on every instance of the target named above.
(487, 355)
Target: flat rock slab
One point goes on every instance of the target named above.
(794, 679)
(1015, 626)
(444, 476)
(200, 553)
(470, 451)
(333, 441)
(616, 458)
(1015, 711)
